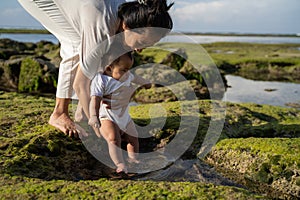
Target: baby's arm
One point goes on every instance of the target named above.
(94, 111)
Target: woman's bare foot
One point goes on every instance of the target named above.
(64, 123)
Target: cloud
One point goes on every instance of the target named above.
(236, 14)
(16, 17)
(11, 12)
(202, 11)
(216, 10)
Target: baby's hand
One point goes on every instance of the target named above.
(94, 121)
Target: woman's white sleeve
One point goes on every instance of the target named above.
(95, 39)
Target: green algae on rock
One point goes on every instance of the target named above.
(253, 120)
(25, 188)
(37, 75)
(39, 162)
(273, 163)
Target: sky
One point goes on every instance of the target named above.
(218, 16)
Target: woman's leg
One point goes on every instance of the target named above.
(67, 72)
(111, 134)
(48, 13)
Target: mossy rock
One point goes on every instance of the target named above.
(39, 162)
(47, 49)
(175, 59)
(9, 76)
(190, 73)
(253, 120)
(268, 62)
(35, 153)
(31, 148)
(185, 90)
(140, 59)
(7, 53)
(24, 188)
(37, 75)
(270, 162)
(10, 48)
(11, 44)
(159, 74)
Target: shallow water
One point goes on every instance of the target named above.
(241, 90)
(203, 39)
(200, 39)
(189, 170)
(261, 92)
(29, 37)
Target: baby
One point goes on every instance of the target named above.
(115, 86)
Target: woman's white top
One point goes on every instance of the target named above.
(95, 21)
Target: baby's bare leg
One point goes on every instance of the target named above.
(111, 134)
(133, 143)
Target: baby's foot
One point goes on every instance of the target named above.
(133, 161)
(121, 167)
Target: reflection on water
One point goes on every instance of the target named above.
(201, 39)
(261, 92)
(30, 37)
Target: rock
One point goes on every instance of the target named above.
(28, 67)
(37, 75)
(7, 53)
(185, 90)
(9, 74)
(175, 59)
(268, 162)
(10, 48)
(190, 72)
(159, 74)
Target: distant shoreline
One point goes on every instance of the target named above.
(25, 31)
(44, 31)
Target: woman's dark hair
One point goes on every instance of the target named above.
(146, 13)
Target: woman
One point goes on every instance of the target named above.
(81, 26)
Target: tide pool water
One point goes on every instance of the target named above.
(200, 39)
(261, 92)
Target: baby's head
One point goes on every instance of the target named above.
(120, 66)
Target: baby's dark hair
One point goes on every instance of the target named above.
(146, 13)
(117, 60)
(112, 60)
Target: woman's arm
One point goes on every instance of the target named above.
(81, 86)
